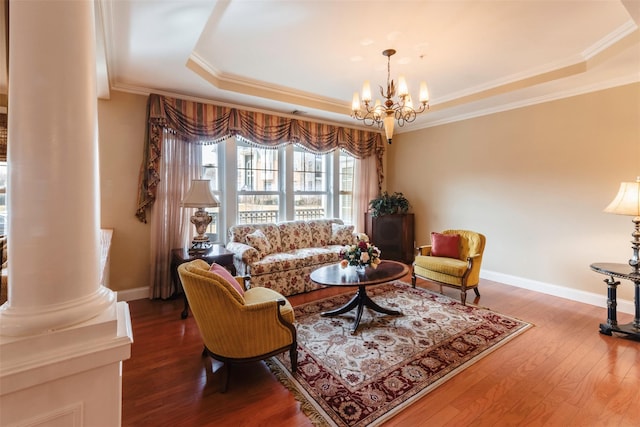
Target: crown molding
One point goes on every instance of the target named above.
(102, 69)
(238, 84)
(622, 81)
(610, 39)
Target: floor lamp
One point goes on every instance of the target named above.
(199, 196)
(627, 202)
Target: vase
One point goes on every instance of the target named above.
(360, 269)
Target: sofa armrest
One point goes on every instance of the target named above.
(424, 250)
(243, 252)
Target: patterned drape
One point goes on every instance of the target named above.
(197, 122)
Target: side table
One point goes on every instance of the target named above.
(621, 271)
(218, 254)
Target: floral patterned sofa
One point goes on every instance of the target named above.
(282, 255)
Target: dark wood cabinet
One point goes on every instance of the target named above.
(393, 235)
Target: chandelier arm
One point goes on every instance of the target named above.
(369, 118)
(405, 116)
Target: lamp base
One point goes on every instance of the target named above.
(200, 243)
(634, 262)
(199, 247)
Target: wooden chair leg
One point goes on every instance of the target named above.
(463, 297)
(476, 291)
(226, 367)
(413, 280)
(293, 355)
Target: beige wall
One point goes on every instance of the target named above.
(121, 132)
(534, 180)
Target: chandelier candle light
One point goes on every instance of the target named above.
(627, 202)
(385, 114)
(199, 196)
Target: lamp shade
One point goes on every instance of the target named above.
(627, 201)
(199, 196)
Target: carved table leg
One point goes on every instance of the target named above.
(612, 316)
(636, 320)
(359, 301)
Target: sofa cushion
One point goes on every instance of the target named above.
(224, 274)
(294, 235)
(259, 241)
(320, 232)
(273, 236)
(238, 233)
(445, 245)
(296, 259)
(341, 234)
(446, 270)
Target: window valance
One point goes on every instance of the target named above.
(196, 122)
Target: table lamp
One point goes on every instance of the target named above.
(627, 202)
(199, 196)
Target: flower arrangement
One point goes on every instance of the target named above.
(361, 254)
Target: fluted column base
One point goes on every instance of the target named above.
(71, 376)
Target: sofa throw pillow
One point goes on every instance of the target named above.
(225, 275)
(341, 234)
(258, 240)
(445, 245)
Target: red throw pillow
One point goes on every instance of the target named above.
(224, 273)
(445, 245)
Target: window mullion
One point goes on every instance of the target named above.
(286, 186)
(334, 185)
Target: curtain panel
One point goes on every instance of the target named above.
(3, 137)
(196, 122)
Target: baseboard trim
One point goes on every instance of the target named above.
(598, 300)
(133, 294)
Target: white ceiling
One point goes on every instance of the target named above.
(477, 57)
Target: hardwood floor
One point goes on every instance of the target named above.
(561, 372)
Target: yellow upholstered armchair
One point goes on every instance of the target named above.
(453, 259)
(237, 325)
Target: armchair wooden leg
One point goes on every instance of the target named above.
(413, 279)
(476, 291)
(293, 355)
(225, 376)
(463, 297)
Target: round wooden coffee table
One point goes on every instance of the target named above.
(334, 275)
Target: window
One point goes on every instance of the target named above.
(346, 178)
(310, 179)
(211, 155)
(257, 185)
(258, 192)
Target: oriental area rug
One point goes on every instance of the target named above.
(363, 379)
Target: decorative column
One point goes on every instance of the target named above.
(62, 335)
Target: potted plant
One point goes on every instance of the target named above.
(389, 204)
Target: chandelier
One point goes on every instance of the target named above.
(386, 114)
